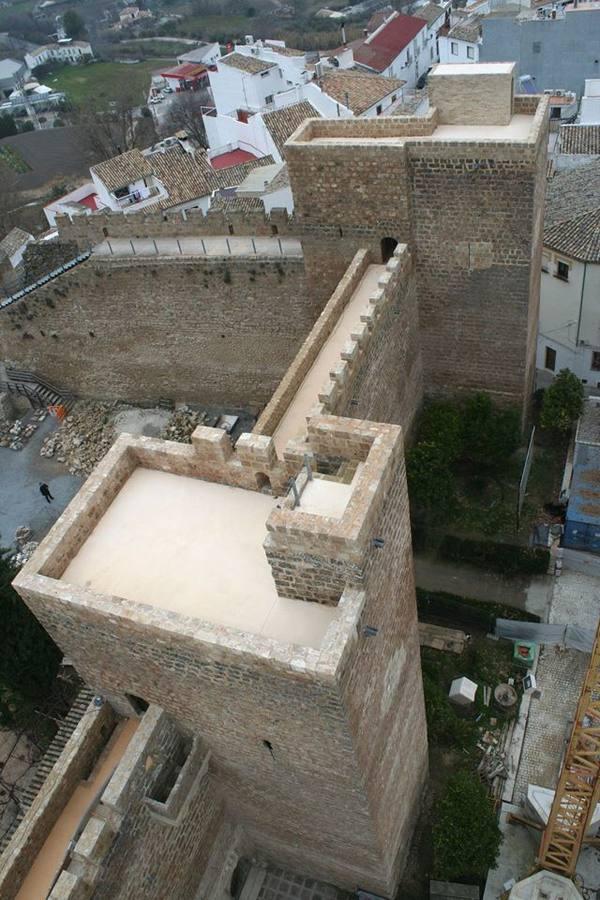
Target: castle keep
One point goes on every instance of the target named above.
(246, 613)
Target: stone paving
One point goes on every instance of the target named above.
(560, 675)
(195, 246)
(281, 885)
(576, 599)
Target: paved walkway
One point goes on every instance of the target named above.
(196, 246)
(530, 594)
(282, 885)
(20, 500)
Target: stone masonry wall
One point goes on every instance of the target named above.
(464, 100)
(74, 764)
(220, 330)
(124, 850)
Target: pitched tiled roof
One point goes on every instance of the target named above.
(286, 51)
(379, 50)
(122, 170)
(358, 90)
(431, 12)
(250, 64)
(185, 176)
(583, 139)
(282, 123)
(13, 241)
(237, 204)
(234, 175)
(572, 216)
(466, 31)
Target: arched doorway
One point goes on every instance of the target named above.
(388, 245)
(263, 483)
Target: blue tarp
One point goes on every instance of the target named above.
(582, 526)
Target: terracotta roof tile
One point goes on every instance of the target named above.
(380, 49)
(358, 90)
(431, 12)
(584, 139)
(282, 123)
(13, 241)
(123, 170)
(572, 216)
(251, 64)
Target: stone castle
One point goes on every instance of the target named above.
(247, 613)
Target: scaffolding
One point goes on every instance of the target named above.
(578, 789)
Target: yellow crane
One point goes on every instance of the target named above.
(578, 789)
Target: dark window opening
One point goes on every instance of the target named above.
(555, 112)
(274, 229)
(596, 361)
(379, 109)
(105, 232)
(263, 483)
(230, 229)
(139, 705)
(562, 271)
(550, 361)
(169, 772)
(388, 245)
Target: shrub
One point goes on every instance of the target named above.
(430, 479)
(507, 559)
(490, 435)
(441, 425)
(443, 725)
(563, 402)
(466, 836)
(465, 611)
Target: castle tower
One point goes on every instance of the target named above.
(464, 188)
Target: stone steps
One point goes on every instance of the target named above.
(49, 759)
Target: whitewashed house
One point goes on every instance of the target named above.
(460, 42)
(569, 324)
(65, 51)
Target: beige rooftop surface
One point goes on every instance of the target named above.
(49, 861)
(195, 548)
(293, 423)
(519, 128)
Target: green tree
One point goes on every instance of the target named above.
(490, 435)
(73, 24)
(466, 836)
(441, 425)
(29, 659)
(431, 485)
(7, 125)
(563, 402)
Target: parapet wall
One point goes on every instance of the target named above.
(125, 850)
(88, 230)
(73, 765)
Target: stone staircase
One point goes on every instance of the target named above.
(48, 760)
(39, 392)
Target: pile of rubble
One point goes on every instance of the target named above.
(83, 438)
(15, 434)
(25, 546)
(181, 425)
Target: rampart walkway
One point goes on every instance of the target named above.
(196, 246)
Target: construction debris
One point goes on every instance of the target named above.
(24, 553)
(450, 639)
(83, 438)
(15, 434)
(181, 425)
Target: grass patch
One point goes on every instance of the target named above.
(12, 158)
(104, 81)
(464, 612)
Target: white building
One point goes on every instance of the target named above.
(589, 113)
(334, 93)
(569, 326)
(401, 47)
(243, 84)
(205, 53)
(460, 43)
(12, 247)
(72, 52)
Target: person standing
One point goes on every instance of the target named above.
(45, 491)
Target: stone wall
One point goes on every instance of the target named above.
(41, 258)
(464, 100)
(125, 851)
(284, 755)
(74, 764)
(218, 330)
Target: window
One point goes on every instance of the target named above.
(264, 74)
(138, 704)
(269, 98)
(555, 112)
(545, 262)
(562, 271)
(393, 98)
(379, 109)
(453, 48)
(595, 361)
(431, 52)
(470, 52)
(537, 46)
(550, 361)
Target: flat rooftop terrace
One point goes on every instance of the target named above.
(293, 423)
(195, 548)
(520, 128)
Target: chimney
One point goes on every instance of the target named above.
(365, 32)
(343, 27)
